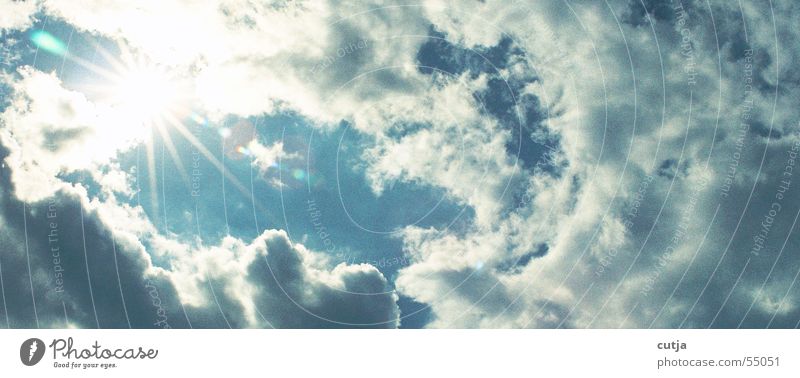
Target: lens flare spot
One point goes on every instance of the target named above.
(243, 150)
(199, 119)
(48, 42)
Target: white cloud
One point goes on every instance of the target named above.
(52, 130)
(271, 279)
(254, 58)
(16, 14)
(265, 157)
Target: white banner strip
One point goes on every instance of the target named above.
(423, 353)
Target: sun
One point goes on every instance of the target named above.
(146, 94)
(141, 102)
(147, 91)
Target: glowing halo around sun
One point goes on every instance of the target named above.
(146, 103)
(146, 94)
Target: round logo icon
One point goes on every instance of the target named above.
(31, 351)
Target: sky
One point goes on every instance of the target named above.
(336, 164)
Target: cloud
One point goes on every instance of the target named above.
(71, 238)
(618, 121)
(16, 14)
(265, 157)
(102, 271)
(272, 282)
(51, 130)
(636, 221)
(250, 59)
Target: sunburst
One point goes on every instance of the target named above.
(147, 95)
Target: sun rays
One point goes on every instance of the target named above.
(146, 95)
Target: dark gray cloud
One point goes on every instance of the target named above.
(108, 284)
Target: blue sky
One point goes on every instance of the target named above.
(318, 165)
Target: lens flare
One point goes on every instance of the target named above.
(299, 174)
(198, 119)
(243, 150)
(48, 42)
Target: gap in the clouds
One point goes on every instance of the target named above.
(184, 196)
(413, 315)
(315, 212)
(346, 219)
(14, 50)
(504, 99)
(516, 264)
(400, 203)
(522, 115)
(660, 10)
(299, 193)
(78, 46)
(313, 203)
(439, 54)
(670, 168)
